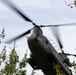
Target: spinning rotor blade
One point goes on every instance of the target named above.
(69, 54)
(7, 2)
(18, 37)
(57, 25)
(56, 33)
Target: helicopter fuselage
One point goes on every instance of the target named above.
(44, 54)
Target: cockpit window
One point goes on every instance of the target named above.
(46, 41)
(37, 35)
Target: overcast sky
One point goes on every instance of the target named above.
(41, 12)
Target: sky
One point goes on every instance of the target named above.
(41, 12)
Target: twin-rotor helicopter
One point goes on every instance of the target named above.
(43, 53)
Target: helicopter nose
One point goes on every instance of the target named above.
(37, 38)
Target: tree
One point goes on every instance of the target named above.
(74, 66)
(2, 35)
(12, 65)
(59, 70)
(72, 4)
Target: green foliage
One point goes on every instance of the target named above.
(12, 65)
(32, 72)
(23, 62)
(59, 70)
(3, 54)
(74, 66)
(2, 35)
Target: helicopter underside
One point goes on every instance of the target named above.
(43, 57)
(45, 65)
(40, 59)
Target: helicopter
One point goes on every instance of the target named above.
(43, 54)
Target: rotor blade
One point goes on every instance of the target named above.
(7, 2)
(18, 37)
(56, 25)
(55, 32)
(70, 54)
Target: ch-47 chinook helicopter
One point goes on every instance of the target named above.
(43, 53)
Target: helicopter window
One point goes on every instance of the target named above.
(38, 37)
(37, 34)
(46, 41)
